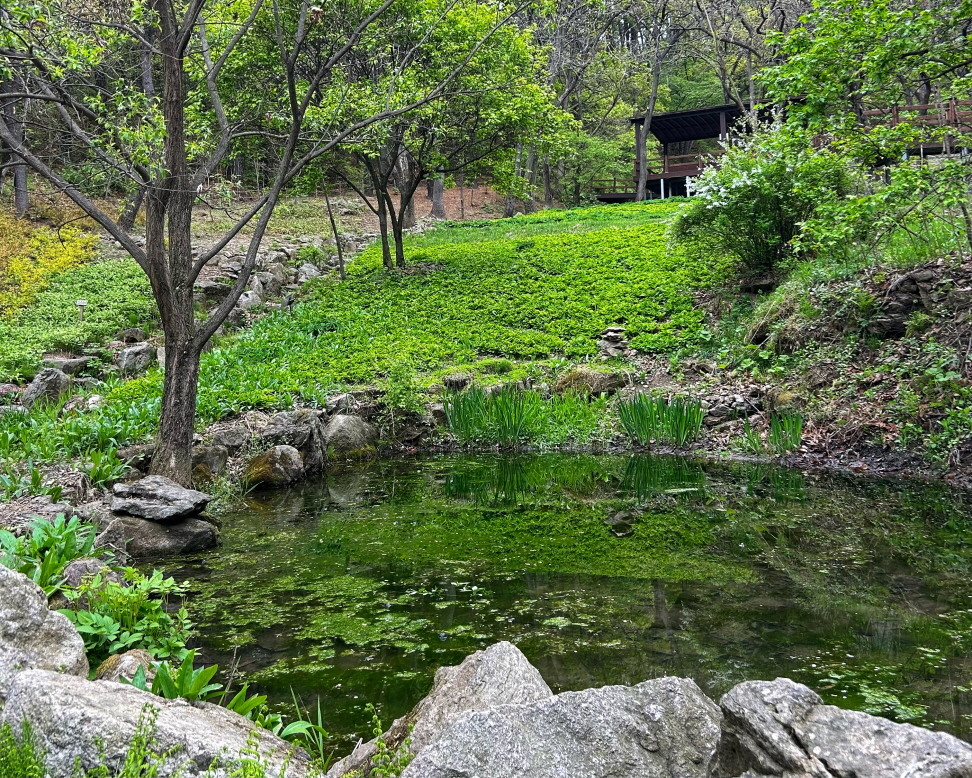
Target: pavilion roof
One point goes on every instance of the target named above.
(692, 124)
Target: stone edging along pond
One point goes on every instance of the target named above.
(492, 716)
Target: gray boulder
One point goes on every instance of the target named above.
(88, 567)
(140, 538)
(233, 437)
(349, 437)
(500, 675)
(67, 365)
(279, 466)
(133, 360)
(782, 728)
(159, 499)
(249, 299)
(92, 723)
(270, 284)
(209, 461)
(49, 385)
(306, 272)
(301, 429)
(663, 728)
(31, 635)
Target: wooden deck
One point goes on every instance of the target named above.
(667, 173)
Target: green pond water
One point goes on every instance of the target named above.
(603, 570)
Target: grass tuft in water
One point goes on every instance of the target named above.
(658, 420)
(785, 432)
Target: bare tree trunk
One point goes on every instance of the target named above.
(19, 170)
(173, 457)
(127, 219)
(642, 190)
(438, 193)
(337, 236)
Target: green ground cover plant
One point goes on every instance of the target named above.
(118, 296)
(524, 289)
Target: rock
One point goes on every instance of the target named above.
(132, 335)
(135, 359)
(213, 291)
(663, 728)
(279, 271)
(303, 430)
(159, 499)
(88, 567)
(782, 728)
(125, 666)
(210, 461)
(500, 675)
(233, 437)
(67, 365)
(457, 382)
(49, 385)
(33, 637)
(438, 413)
(306, 272)
(268, 282)
(249, 299)
(279, 466)
(81, 724)
(588, 382)
(138, 456)
(143, 538)
(349, 437)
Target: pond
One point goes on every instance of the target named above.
(603, 570)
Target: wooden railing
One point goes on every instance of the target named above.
(949, 113)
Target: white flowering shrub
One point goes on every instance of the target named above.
(752, 203)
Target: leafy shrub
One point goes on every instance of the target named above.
(42, 553)
(114, 617)
(752, 203)
(657, 420)
(31, 256)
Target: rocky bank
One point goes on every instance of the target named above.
(492, 716)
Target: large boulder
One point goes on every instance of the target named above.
(301, 429)
(49, 385)
(31, 635)
(85, 724)
(781, 728)
(349, 437)
(141, 538)
(500, 675)
(159, 499)
(67, 365)
(279, 466)
(208, 461)
(136, 359)
(663, 728)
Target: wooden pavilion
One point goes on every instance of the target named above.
(691, 140)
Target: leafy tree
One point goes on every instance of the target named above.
(162, 93)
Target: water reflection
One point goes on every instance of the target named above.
(603, 569)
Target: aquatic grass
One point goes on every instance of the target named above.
(511, 415)
(785, 432)
(751, 440)
(658, 420)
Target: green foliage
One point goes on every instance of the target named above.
(522, 288)
(115, 617)
(510, 416)
(388, 762)
(46, 549)
(20, 756)
(118, 296)
(659, 420)
(48, 434)
(752, 203)
(785, 432)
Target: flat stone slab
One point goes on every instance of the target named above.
(158, 499)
